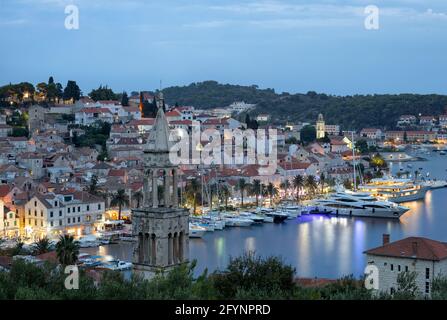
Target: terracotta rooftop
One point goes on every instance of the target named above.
(413, 247)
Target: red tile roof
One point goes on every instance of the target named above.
(294, 165)
(413, 247)
(185, 122)
(173, 113)
(117, 173)
(4, 190)
(142, 122)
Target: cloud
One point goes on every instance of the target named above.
(13, 22)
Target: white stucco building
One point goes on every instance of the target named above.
(428, 258)
(72, 212)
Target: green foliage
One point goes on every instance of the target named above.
(94, 135)
(353, 112)
(41, 246)
(291, 140)
(251, 124)
(67, 250)
(251, 276)
(308, 134)
(124, 99)
(16, 90)
(346, 288)
(407, 288)
(439, 288)
(149, 109)
(210, 94)
(103, 93)
(362, 146)
(193, 193)
(20, 132)
(72, 91)
(119, 199)
(246, 277)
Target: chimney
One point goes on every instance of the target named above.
(385, 239)
(414, 246)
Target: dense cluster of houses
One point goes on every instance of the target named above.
(44, 178)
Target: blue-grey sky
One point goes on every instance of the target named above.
(288, 45)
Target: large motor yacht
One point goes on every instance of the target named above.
(395, 190)
(358, 204)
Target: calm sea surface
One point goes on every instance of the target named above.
(320, 246)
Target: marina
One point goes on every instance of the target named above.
(317, 245)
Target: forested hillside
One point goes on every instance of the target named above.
(352, 112)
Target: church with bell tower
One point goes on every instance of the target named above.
(160, 226)
(321, 127)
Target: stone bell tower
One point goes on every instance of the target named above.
(160, 226)
(321, 127)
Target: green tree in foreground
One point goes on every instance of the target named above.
(407, 288)
(67, 250)
(42, 246)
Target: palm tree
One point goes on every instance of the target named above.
(42, 246)
(298, 184)
(193, 189)
(285, 185)
(241, 186)
(256, 189)
(67, 250)
(225, 193)
(322, 181)
(138, 196)
(272, 191)
(120, 199)
(311, 184)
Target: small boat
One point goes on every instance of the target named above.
(277, 216)
(196, 231)
(256, 218)
(292, 211)
(117, 265)
(233, 221)
(317, 210)
(435, 184)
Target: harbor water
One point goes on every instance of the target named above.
(320, 246)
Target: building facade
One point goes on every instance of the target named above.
(426, 257)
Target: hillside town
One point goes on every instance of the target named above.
(54, 183)
(77, 167)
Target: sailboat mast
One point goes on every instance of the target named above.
(353, 161)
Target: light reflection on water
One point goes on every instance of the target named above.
(318, 246)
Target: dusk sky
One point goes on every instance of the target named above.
(293, 46)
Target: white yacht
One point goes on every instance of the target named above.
(395, 190)
(256, 218)
(358, 205)
(236, 221)
(291, 210)
(196, 231)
